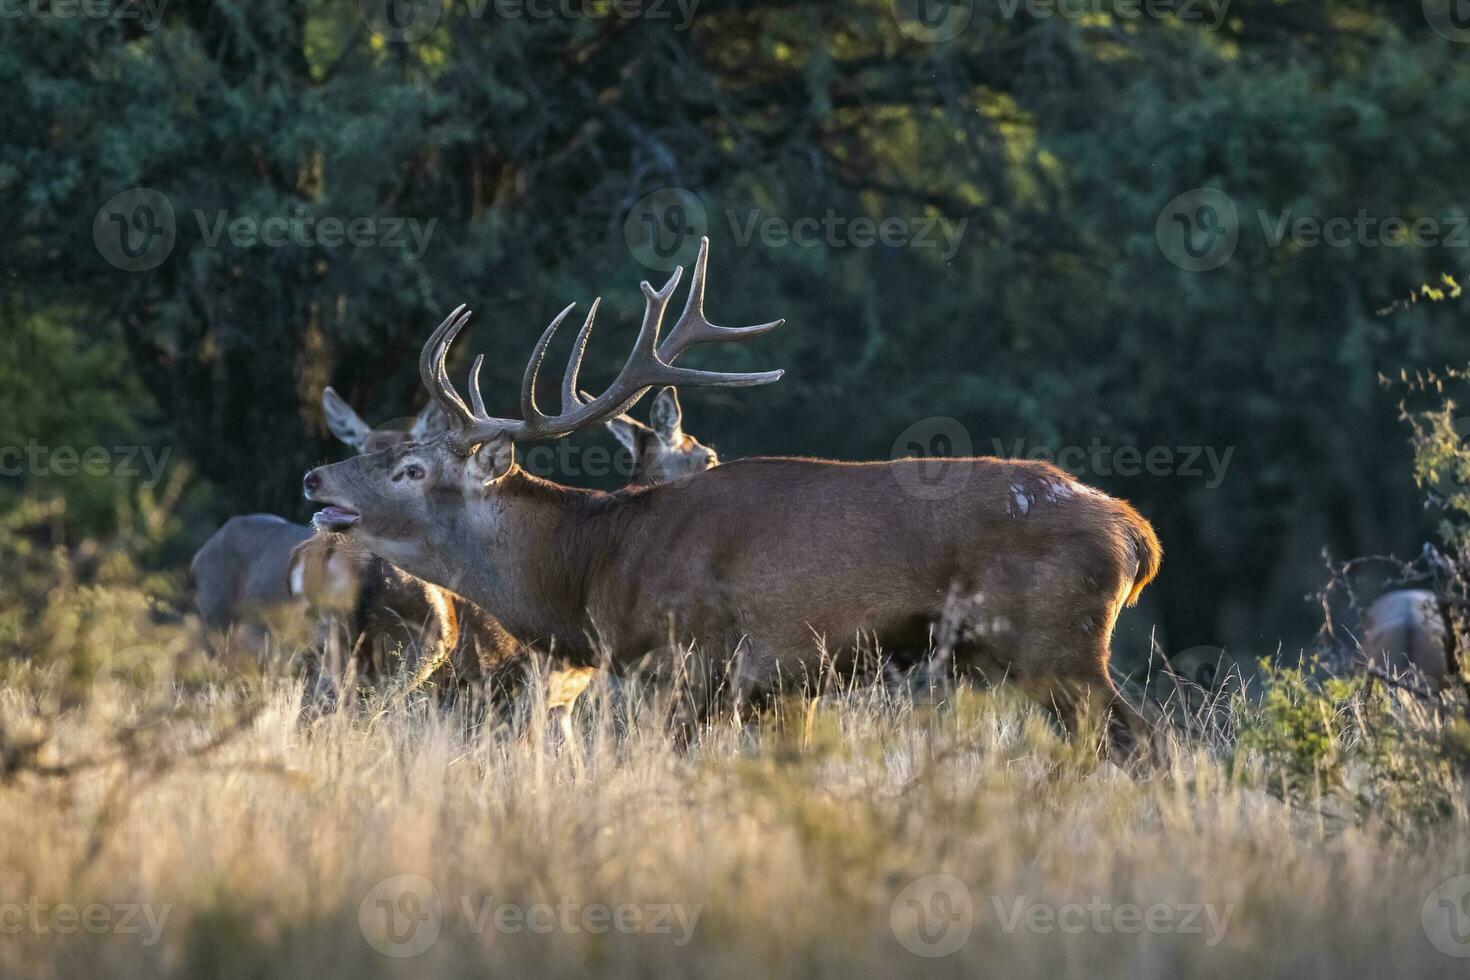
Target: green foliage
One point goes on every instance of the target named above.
(1414, 760)
(1442, 462)
(1394, 759)
(1056, 321)
(66, 601)
(1299, 727)
(63, 395)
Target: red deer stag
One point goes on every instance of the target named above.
(762, 566)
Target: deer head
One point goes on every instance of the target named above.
(662, 451)
(413, 503)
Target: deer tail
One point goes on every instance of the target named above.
(1146, 550)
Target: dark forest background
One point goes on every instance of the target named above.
(567, 150)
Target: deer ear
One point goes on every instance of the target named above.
(343, 422)
(667, 417)
(490, 461)
(430, 422)
(628, 431)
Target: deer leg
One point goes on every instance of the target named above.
(1073, 697)
(695, 693)
(563, 686)
(1066, 669)
(706, 687)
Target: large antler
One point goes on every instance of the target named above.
(648, 366)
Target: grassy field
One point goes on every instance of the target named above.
(163, 814)
(194, 825)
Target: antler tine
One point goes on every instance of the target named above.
(693, 328)
(531, 413)
(644, 368)
(441, 366)
(477, 401)
(431, 349)
(431, 365)
(570, 398)
(655, 305)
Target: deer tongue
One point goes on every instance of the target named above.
(334, 518)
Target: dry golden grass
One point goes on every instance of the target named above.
(789, 848)
(162, 815)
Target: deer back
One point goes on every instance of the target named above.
(1405, 633)
(242, 570)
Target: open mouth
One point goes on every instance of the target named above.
(334, 517)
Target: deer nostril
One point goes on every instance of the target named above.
(313, 482)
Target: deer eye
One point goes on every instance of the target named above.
(413, 471)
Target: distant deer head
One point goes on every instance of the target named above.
(662, 451)
(362, 438)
